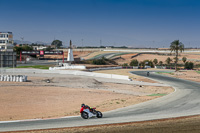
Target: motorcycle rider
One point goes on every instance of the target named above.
(148, 73)
(83, 106)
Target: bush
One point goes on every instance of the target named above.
(134, 63)
(99, 62)
(189, 65)
(147, 62)
(125, 64)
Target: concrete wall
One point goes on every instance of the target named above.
(67, 67)
(104, 68)
(72, 72)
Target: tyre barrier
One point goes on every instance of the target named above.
(13, 78)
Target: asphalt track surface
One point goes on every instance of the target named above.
(184, 101)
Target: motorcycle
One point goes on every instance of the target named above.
(148, 73)
(88, 113)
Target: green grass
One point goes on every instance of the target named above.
(158, 94)
(36, 66)
(198, 72)
(165, 72)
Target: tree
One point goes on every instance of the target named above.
(57, 43)
(18, 49)
(146, 62)
(125, 64)
(99, 62)
(155, 61)
(134, 63)
(176, 46)
(189, 65)
(48, 48)
(161, 63)
(168, 60)
(184, 59)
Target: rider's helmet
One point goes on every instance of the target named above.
(82, 105)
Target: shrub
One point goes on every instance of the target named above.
(99, 62)
(150, 63)
(134, 63)
(125, 64)
(189, 65)
(184, 59)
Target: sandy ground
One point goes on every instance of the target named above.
(126, 72)
(185, 74)
(64, 95)
(127, 58)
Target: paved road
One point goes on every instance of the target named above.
(184, 101)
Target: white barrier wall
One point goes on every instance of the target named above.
(13, 78)
(104, 68)
(71, 72)
(67, 67)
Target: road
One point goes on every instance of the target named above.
(183, 102)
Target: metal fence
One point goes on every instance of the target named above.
(8, 59)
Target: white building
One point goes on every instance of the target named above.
(6, 41)
(39, 47)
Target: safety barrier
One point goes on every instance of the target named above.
(104, 68)
(13, 78)
(70, 72)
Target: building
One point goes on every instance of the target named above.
(6, 41)
(40, 47)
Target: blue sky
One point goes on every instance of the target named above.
(136, 23)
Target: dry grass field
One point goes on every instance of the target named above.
(126, 72)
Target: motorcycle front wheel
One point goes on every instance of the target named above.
(99, 114)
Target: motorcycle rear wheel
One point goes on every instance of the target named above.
(84, 115)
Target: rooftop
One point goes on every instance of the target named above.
(6, 32)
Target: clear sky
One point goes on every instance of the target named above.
(136, 23)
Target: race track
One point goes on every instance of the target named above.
(183, 102)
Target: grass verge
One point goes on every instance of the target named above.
(158, 94)
(165, 72)
(198, 72)
(36, 66)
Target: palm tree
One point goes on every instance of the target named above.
(176, 46)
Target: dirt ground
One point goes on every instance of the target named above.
(39, 99)
(185, 74)
(126, 72)
(194, 57)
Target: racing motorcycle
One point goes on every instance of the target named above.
(90, 112)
